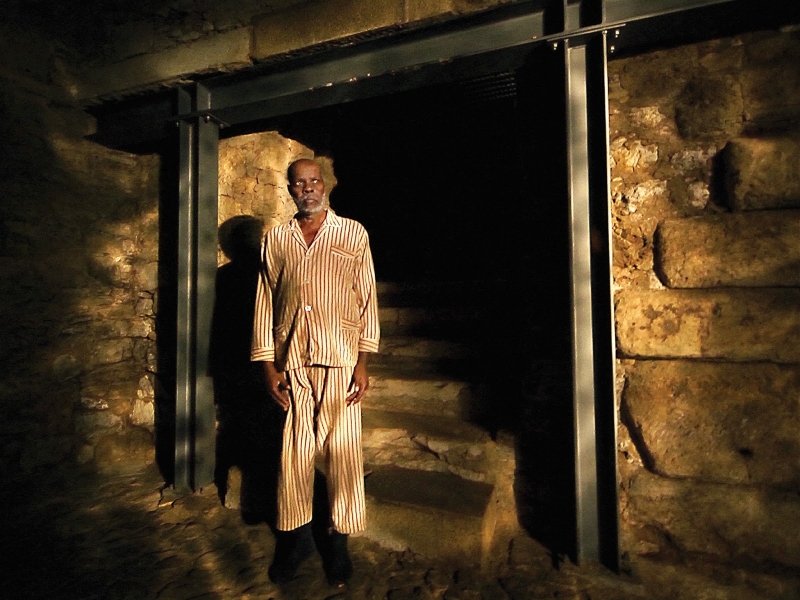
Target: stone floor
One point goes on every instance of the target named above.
(125, 537)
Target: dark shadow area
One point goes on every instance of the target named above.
(167, 317)
(87, 536)
(544, 485)
(462, 187)
(249, 425)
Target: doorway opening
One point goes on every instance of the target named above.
(460, 186)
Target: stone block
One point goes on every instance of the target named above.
(400, 391)
(427, 443)
(718, 422)
(420, 10)
(708, 579)
(306, 25)
(725, 522)
(708, 107)
(221, 52)
(96, 423)
(736, 324)
(125, 453)
(762, 173)
(434, 514)
(143, 414)
(771, 84)
(133, 38)
(753, 249)
(145, 275)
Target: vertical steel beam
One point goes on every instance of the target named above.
(587, 158)
(197, 263)
(604, 336)
(581, 272)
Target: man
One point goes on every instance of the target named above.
(316, 321)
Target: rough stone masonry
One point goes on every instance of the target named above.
(706, 261)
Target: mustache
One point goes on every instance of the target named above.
(311, 197)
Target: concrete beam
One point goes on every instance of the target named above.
(307, 25)
(217, 53)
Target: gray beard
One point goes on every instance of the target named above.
(313, 209)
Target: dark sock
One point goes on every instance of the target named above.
(291, 549)
(340, 567)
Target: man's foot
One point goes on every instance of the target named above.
(339, 567)
(291, 549)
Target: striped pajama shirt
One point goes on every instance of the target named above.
(316, 309)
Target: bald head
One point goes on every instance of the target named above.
(291, 172)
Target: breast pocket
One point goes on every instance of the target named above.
(343, 264)
(340, 254)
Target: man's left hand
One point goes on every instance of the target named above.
(360, 381)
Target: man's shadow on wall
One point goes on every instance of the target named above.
(249, 424)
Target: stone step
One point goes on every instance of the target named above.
(427, 443)
(422, 392)
(441, 321)
(438, 293)
(431, 513)
(419, 347)
(424, 354)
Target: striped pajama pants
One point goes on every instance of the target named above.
(320, 422)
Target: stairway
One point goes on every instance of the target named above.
(437, 482)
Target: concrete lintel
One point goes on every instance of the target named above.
(217, 53)
(307, 25)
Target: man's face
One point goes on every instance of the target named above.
(307, 188)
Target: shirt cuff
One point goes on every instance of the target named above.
(262, 354)
(368, 345)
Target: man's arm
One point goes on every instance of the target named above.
(367, 297)
(277, 386)
(360, 381)
(263, 344)
(370, 332)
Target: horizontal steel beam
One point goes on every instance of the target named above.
(399, 56)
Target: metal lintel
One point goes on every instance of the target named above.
(592, 319)
(197, 251)
(515, 31)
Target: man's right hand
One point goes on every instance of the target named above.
(277, 386)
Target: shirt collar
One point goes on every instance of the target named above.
(331, 220)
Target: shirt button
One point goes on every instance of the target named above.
(307, 308)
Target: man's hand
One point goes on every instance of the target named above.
(360, 381)
(277, 386)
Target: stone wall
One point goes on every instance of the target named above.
(78, 271)
(252, 178)
(705, 163)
